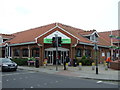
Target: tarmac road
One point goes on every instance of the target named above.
(32, 79)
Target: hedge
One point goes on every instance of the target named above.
(20, 61)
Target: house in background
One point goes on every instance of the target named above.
(76, 43)
(3, 39)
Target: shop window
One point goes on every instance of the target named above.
(88, 53)
(79, 52)
(25, 52)
(16, 52)
(35, 52)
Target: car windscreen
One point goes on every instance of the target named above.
(6, 60)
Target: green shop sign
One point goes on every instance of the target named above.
(64, 41)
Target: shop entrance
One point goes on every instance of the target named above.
(50, 53)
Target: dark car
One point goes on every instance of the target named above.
(7, 64)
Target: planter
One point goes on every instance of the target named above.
(115, 65)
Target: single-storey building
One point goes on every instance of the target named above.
(37, 42)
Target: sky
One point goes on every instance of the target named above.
(20, 15)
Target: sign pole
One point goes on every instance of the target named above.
(96, 57)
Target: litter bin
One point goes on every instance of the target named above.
(37, 63)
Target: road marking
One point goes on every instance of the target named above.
(110, 83)
(99, 81)
(31, 87)
(7, 80)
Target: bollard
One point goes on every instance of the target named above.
(106, 66)
(66, 66)
(80, 66)
(44, 64)
(93, 66)
(104, 63)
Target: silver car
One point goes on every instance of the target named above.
(7, 64)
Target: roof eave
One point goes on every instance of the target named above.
(90, 44)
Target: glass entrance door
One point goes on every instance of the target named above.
(51, 55)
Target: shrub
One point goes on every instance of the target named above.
(20, 61)
(85, 61)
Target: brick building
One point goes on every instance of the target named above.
(37, 43)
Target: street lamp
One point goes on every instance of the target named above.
(96, 48)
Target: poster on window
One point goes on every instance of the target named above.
(103, 54)
(117, 55)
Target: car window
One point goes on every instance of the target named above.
(6, 60)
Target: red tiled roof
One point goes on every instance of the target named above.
(75, 32)
(87, 32)
(30, 35)
(106, 34)
(7, 35)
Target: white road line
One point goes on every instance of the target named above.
(31, 87)
(110, 83)
(99, 82)
(7, 80)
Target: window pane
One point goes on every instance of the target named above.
(88, 53)
(16, 52)
(79, 52)
(25, 52)
(35, 52)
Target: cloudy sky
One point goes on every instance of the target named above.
(19, 15)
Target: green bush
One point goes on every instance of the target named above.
(20, 61)
(85, 61)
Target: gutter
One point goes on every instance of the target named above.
(22, 43)
(93, 45)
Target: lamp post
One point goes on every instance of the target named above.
(96, 48)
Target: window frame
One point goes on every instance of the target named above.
(16, 51)
(35, 52)
(24, 52)
(88, 52)
(80, 52)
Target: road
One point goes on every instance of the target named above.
(32, 79)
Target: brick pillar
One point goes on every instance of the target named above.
(41, 54)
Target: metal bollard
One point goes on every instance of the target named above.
(93, 66)
(80, 66)
(106, 66)
(66, 66)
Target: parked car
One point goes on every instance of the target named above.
(7, 64)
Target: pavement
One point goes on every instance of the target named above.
(86, 72)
